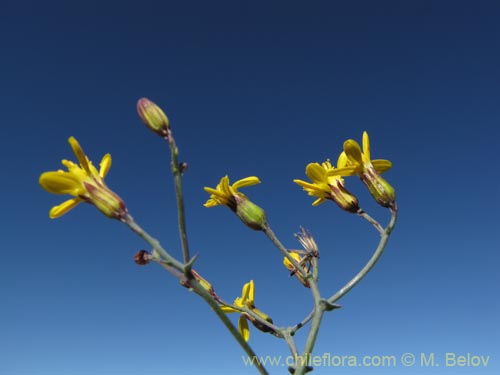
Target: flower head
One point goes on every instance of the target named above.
(153, 117)
(354, 161)
(247, 301)
(303, 257)
(228, 195)
(302, 260)
(325, 186)
(85, 183)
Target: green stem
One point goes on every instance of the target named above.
(304, 321)
(319, 309)
(290, 342)
(229, 325)
(154, 243)
(171, 261)
(372, 221)
(321, 305)
(181, 216)
(373, 260)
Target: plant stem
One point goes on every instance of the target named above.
(319, 309)
(229, 325)
(320, 305)
(375, 257)
(290, 342)
(304, 321)
(154, 243)
(372, 221)
(171, 261)
(181, 216)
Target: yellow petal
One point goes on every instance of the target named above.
(104, 165)
(60, 183)
(224, 186)
(327, 164)
(318, 201)
(245, 292)
(382, 165)
(243, 328)
(342, 161)
(305, 185)
(289, 264)
(216, 193)
(366, 147)
(353, 151)
(211, 191)
(251, 293)
(211, 203)
(80, 155)
(317, 190)
(228, 309)
(64, 207)
(344, 171)
(94, 171)
(316, 173)
(247, 181)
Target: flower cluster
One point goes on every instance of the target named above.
(327, 181)
(86, 184)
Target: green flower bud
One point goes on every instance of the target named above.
(153, 116)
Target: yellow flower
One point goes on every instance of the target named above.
(302, 257)
(85, 183)
(325, 186)
(225, 194)
(247, 301)
(354, 161)
(228, 195)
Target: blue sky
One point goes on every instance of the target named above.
(250, 89)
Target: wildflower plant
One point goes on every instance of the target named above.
(86, 184)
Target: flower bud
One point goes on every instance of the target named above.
(252, 215)
(142, 257)
(153, 116)
(183, 167)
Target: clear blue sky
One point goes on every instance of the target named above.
(254, 88)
